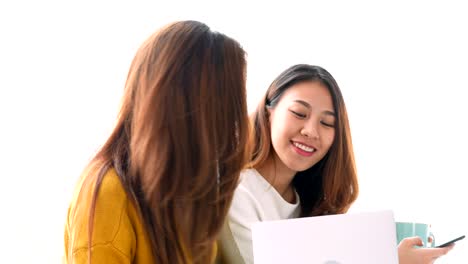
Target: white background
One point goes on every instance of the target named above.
(402, 67)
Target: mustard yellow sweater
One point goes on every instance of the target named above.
(118, 232)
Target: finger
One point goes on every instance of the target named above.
(437, 252)
(412, 241)
(446, 248)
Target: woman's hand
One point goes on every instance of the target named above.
(409, 254)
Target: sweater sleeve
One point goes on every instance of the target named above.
(113, 239)
(245, 210)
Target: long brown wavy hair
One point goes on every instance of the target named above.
(180, 138)
(330, 186)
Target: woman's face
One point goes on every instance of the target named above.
(302, 125)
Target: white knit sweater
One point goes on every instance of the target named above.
(254, 200)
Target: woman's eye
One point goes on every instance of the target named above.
(327, 124)
(297, 114)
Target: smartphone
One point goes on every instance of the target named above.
(450, 242)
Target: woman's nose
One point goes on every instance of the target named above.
(310, 131)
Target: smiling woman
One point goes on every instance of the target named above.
(302, 157)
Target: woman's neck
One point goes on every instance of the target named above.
(280, 177)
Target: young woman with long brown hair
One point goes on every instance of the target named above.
(302, 162)
(160, 187)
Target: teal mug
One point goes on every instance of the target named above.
(411, 229)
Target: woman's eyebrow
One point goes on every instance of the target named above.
(304, 103)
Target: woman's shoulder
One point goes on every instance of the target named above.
(110, 188)
(110, 205)
(248, 192)
(253, 181)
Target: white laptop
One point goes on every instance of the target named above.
(361, 238)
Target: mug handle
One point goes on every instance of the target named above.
(431, 235)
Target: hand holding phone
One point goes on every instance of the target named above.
(450, 242)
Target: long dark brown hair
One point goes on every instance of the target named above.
(330, 186)
(180, 139)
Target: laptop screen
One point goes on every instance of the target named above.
(364, 238)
